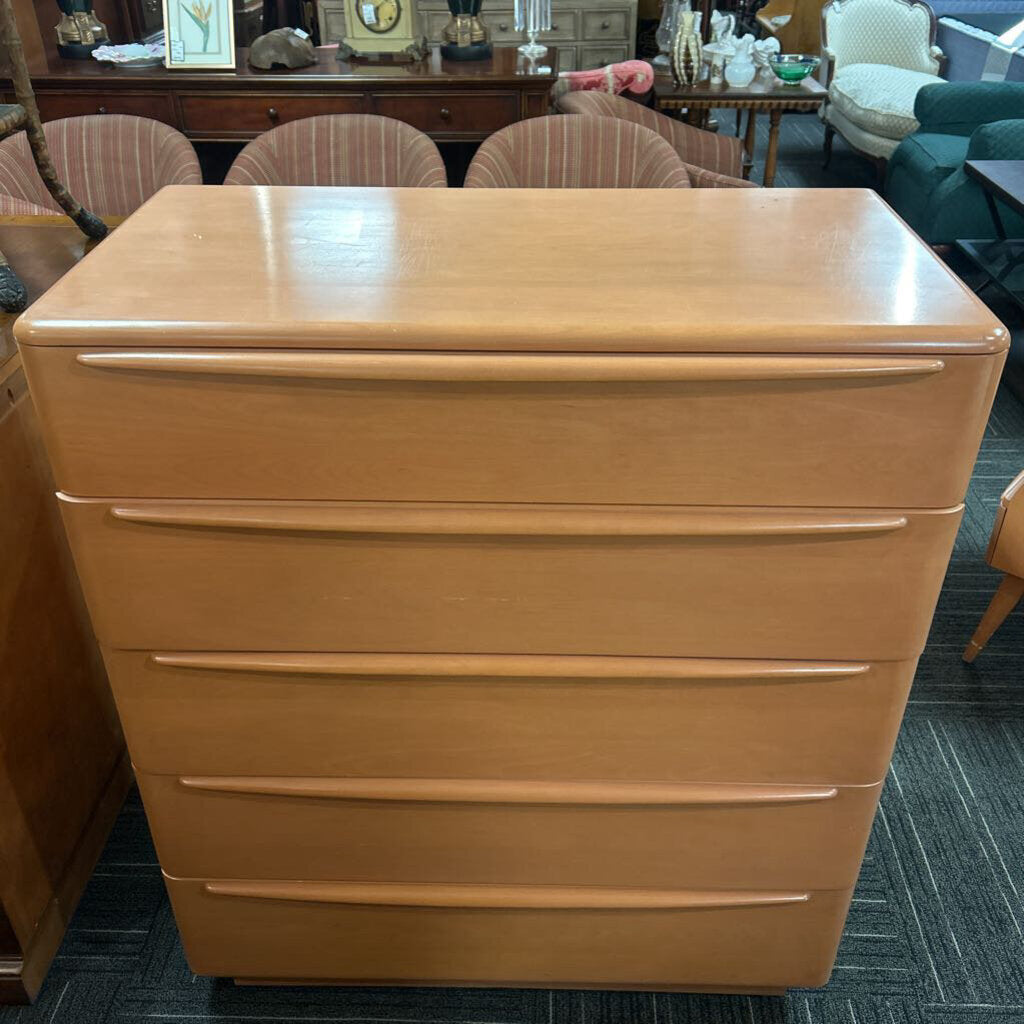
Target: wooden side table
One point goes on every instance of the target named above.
(1001, 258)
(762, 95)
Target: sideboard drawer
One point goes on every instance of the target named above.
(156, 105)
(238, 115)
(449, 112)
(563, 27)
(498, 716)
(510, 579)
(598, 56)
(647, 834)
(602, 937)
(502, 26)
(611, 25)
(857, 431)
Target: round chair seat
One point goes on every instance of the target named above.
(878, 98)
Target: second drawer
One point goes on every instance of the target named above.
(701, 835)
(710, 582)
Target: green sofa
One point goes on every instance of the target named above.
(926, 182)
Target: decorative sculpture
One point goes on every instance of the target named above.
(635, 76)
(687, 52)
(25, 115)
(283, 47)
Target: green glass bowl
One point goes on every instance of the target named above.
(793, 68)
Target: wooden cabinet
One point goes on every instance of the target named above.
(63, 772)
(575, 26)
(555, 641)
(452, 101)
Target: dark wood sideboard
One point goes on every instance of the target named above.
(63, 767)
(453, 102)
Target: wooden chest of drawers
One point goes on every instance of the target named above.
(587, 33)
(565, 645)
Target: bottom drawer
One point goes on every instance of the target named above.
(656, 834)
(509, 935)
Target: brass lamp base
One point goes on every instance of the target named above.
(466, 38)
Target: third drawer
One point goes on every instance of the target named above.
(458, 716)
(530, 832)
(710, 582)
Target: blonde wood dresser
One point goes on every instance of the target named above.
(510, 587)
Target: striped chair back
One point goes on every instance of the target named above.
(111, 163)
(712, 151)
(576, 152)
(341, 149)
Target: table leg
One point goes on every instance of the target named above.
(748, 142)
(996, 219)
(774, 119)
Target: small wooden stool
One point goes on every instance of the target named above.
(1005, 552)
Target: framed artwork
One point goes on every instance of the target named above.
(199, 33)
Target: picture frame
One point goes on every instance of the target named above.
(199, 34)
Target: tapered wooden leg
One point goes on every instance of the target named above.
(1005, 599)
(772, 156)
(749, 141)
(830, 134)
(10, 44)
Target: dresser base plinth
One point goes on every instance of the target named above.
(567, 986)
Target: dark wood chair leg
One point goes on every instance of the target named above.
(10, 43)
(1005, 599)
(830, 134)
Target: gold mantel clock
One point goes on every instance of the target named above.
(382, 30)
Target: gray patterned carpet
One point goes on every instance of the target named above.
(936, 932)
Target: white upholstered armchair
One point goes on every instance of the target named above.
(879, 53)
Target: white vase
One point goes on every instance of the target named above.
(740, 73)
(687, 51)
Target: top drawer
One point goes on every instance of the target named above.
(867, 431)
(156, 105)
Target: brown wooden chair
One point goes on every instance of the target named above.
(341, 149)
(1005, 552)
(709, 151)
(576, 152)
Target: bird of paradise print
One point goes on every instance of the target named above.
(201, 15)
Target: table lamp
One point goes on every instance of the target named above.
(465, 36)
(79, 31)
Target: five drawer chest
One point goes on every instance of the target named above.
(512, 587)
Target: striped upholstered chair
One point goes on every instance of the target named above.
(576, 152)
(111, 163)
(341, 149)
(721, 155)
